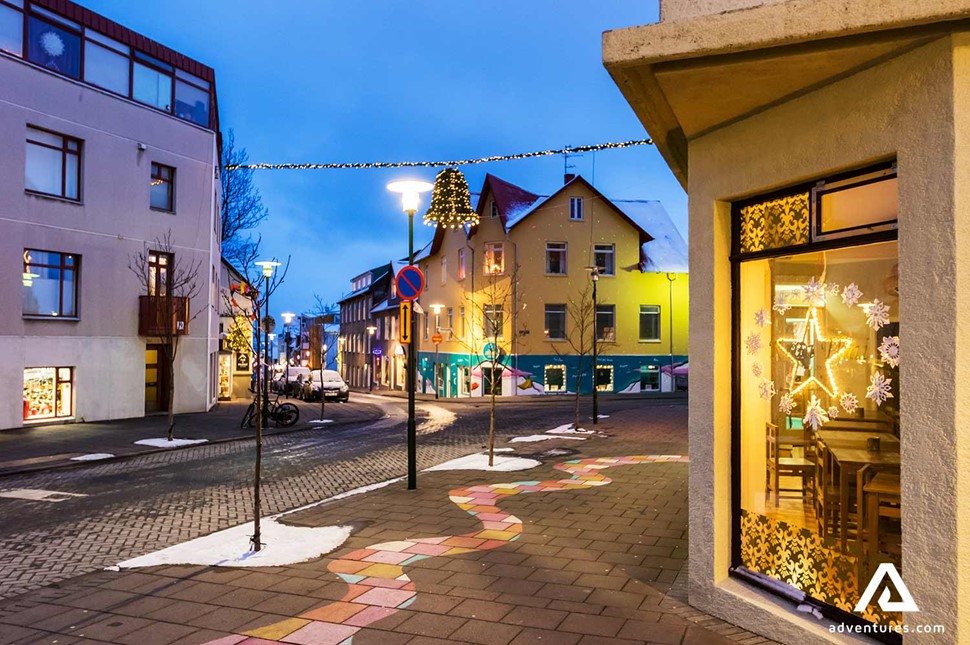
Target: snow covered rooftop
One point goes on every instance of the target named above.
(667, 252)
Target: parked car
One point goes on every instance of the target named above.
(293, 386)
(334, 387)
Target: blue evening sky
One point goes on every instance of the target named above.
(382, 80)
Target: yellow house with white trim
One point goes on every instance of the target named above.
(526, 267)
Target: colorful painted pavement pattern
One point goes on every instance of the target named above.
(378, 585)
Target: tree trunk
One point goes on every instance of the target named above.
(491, 423)
(170, 359)
(579, 382)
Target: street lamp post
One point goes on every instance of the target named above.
(287, 319)
(670, 317)
(410, 195)
(370, 356)
(267, 266)
(594, 275)
(437, 330)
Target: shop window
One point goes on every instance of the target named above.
(604, 258)
(604, 378)
(11, 30)
(50, 284)
(56, 47)
(818, 398)
(48, 393)
(606, 323)
(494, 321)
(162, 188)
(650, 323)
(555, 378)
(53, 164)
(575, 208)
(492, 380)
(555, 258)
(106, 63)
(650, 378)
(555, 322)
(494, 258)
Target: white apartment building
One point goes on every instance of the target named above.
(108, 143)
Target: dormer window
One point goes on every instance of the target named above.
(575, 209)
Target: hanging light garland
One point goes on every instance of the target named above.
(450, 201)
(437, 164)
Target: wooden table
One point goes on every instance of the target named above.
(851, 460)
(857, 439)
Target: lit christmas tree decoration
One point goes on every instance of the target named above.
(450, 201)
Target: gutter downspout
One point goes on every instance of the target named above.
(210, 380)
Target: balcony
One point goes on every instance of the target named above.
(163, 316)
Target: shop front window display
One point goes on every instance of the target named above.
(818, 412)
(48, 393)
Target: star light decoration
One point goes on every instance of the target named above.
(450, 201)
(803, 353)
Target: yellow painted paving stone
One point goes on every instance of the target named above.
(490, 534)
(380, 570)
(277, 631)
(456, 550)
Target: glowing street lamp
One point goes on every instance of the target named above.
(370, 354)
(410, 191)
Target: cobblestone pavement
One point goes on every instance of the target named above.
(144, 503)
(600, 565)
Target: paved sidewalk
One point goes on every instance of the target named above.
(45, 446)
(589, 547)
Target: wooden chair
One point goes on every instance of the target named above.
(782, 462)
(880, 491)
(827, 501)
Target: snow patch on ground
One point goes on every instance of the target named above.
(230, 548)
(544, 437)
(480, 462)
(349, 493)
(504, 449)
(569, 429)
(165, 443)
(319, 421)
(438, 419)
(95, 456)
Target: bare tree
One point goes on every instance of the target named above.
(242, 205)
(580, 332)
(170, 283)
(259, 296)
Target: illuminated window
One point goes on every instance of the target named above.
(159, 273)
(494, 258)
(650, 378)
(555, 378)
(461, 264)
(604, 378)
(50, 283)
(494, 321)
(162, 188)
(48, 393)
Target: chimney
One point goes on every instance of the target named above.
(568, 178)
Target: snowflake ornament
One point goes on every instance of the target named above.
(52, 44)
(833, 289)
(756, 369)
(889, 350)
(851, 294)
(753, 342)
(767, 389)
(833, 412)
(880, 389)
(814, 291)
(877, 314)
(849, 402)
(815, 416)
(762, 318)
(781, 305)
(786, 404)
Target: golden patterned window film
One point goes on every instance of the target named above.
(808, 561)
(775, 223)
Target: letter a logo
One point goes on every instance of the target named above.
(887, 569)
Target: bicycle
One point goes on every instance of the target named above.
(282, 414)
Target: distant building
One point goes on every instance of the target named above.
(109, 142)
(357, 326)
(318, 337)
(236, 353)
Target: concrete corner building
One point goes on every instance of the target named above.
(822, 147)
(109, 146)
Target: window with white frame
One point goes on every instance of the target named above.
(604, 257)
(494, 258)
(451, 323)
(461, 264)
(555, 258)
(555, 326)
(575, 208)
(606, 323)
(494, 321)
(650, 323)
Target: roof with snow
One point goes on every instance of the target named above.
(667, 251)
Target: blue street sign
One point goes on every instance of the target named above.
(409, 282)
(377, 351)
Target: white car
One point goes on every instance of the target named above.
(291, 381)
(334, 387)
